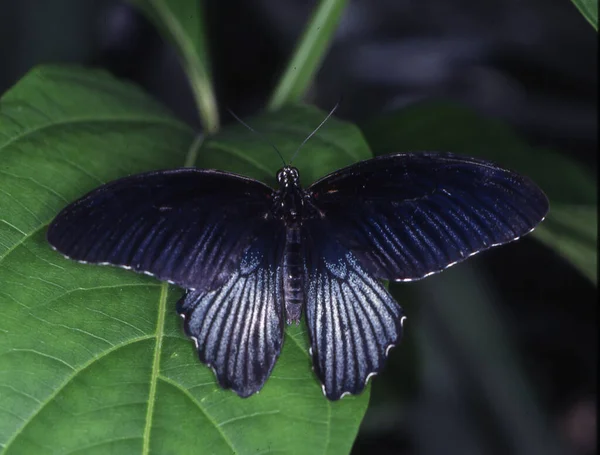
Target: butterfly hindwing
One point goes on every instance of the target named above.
(406, 216)
(238, 327)
(352, 320)
(186, 226)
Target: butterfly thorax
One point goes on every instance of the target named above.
(290, 200)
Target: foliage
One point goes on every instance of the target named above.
(589, 10)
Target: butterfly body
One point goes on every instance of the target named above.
(292, 206)
(253, 258)
(293, 274)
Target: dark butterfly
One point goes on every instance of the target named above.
(251, 257)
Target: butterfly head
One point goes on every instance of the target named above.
(287, 177)
(289, 200)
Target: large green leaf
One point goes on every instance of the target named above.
(182, 22)
(573, 218)
(335, 145)
(93, 359)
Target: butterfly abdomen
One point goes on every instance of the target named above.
(293, 272)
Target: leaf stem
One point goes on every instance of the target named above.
(307, 57)
(192, 154)
(196, 70)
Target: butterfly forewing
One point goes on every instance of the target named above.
(186, 226)
(406, 216)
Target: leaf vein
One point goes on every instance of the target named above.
(248, 416)
(202, 410)
(95, 120)
(328, 403)
(233, 152)
(66, 382)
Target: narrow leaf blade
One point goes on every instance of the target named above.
(182, 22)
(589, 10)
(309, 52)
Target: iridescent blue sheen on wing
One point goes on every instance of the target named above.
(352, 320)
(186, 226)
(406, 216)
(249, 256)
(238, 328)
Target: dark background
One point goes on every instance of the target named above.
(531, 64)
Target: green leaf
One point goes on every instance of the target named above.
(589, 10)
(93, 359)
(182, 22)
(309, 53)
(572, 231)
(447, 127)
(336, 144)
(464, 336)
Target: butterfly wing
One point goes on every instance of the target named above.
(238, 327)
(352, 320)
(406, 216)
(186, 226)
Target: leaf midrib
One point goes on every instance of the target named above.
(84, 120)
(159, 332)
(12, 248)
(67, 381)
(160, 322)
(328, 420)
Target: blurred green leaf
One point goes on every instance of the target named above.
(182, 22)
(93, 359)
(336, 144)
(589, 10)
(447, 127)
(572, 231)
(309, 53)
(463, 337)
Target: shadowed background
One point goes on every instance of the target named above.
(516, 372)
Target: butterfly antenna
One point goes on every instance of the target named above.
(315, 130)
(257, 132)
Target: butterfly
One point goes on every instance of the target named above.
(253, 258)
